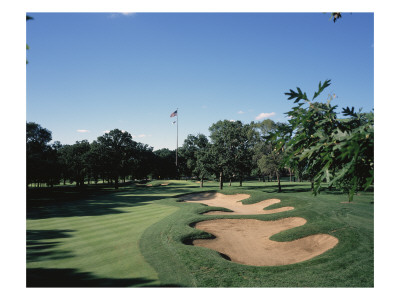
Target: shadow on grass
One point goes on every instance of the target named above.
(93, 201)
(38, 246)
(41, 277)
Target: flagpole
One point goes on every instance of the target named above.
(177, 116)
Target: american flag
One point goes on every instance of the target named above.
(175, 113)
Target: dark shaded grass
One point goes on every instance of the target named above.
(39, 277)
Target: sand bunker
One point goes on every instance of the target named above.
(233, 202)
(247, 241)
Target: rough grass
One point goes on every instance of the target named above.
(140, 236)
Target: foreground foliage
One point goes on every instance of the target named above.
(339, 151)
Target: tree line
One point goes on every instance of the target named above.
(316, 144)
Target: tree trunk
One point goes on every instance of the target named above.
(201, 182)
(221, 184)
(240, 181)
(116, 182)
(230, 181)
(312, 184)
(279, 182)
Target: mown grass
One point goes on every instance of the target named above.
(141, 236)
(349, 264)
(91, 238)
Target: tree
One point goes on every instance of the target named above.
(143, 162)
(37, 153)
(164, 164)
(231, 149)
(196, 155)
(187, 156)
(262, 129)
(270, 150)
(76, 161)
(118, 148)
(336, 151)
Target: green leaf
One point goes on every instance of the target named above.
(321, 88)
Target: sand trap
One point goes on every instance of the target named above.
(247, 241)
(233, 202)
(164, 183)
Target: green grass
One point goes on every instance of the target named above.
(92, 241)
(140, 236)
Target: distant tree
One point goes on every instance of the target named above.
(262, 129)
(196, 155)
(143, 161)
(119, 149)
(187, 156)
(164, 164)
(231, 149)
(269, 151)
(204, 162)
(37, 152)
(76, 161)
(98, 163)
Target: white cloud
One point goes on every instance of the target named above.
(141, 135)
(240, 112)
(265, 115)
(232, 120)
(126, 14)
(106, 131)
(82, 130)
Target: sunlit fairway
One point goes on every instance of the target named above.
(94, 241)
(142, 236)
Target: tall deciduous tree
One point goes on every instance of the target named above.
(231, 149)
(118, 148)
(76, 161)
(196, 155)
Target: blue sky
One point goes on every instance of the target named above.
(93, 72)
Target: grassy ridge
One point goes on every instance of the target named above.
(349, 264)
